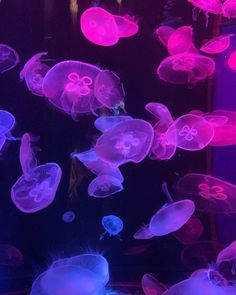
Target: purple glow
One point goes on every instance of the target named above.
(9, 58)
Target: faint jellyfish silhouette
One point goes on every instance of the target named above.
(104, 186)
(196, 112)
(217, 45)
(104, 123)
(9, 58)
(113, 226)
(186, 68)
(143, 233)
(229, 9)
(163, 33)
(99, 26)
(215, 121)
(151, 285)
(228, 254)
(109, 90)
(172, 216)
(126, 26)
(128, 141)
(68, 216)
(10, 255)
(232, 61)
(161, 114)
(210, 194)
(137, 250)
(34, 72)
(7, 122)
(69, 86)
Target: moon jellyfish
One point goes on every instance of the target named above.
(7, 122)
(68, 216)
(126, 26)
(186, 68)
(143, 233)
(163, 33)
(210, 194)
(128, 141)
(217, 45)
(228, 254)
(212, 6)
(113, 226)
(10, 255)
(162, 115)
(232, 61)
(103, 186)
(190, 132)
(9, 58)
(172, 216)
(83, 274)
(34, 72)
(104, 123)
(99, 26)
(151, 286)
(229, 9)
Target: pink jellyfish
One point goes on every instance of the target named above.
(126, 26)
(143, 233)
(232, 61)
(163, 33)
(36, 188)
(33, 72)
(212, 6)
(186, 68)
(104, 123)
(217, 45)
(69, 86)
(229, 9)
(210, 194)
(190, 132)
(151, 285)
(228, 254)
(9, 58)
(161, 114)
(10, 255)
(128, 141)
(172, 216)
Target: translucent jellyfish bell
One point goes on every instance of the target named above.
(68, 216)
(212, 6)
(151, 286)
(126, 26)
(113, 226)
(10, 255)
(229, 9)
(7, 122)
(143, 233)
(217, 45)
(163, 33)
(228, 254)
(104, 123)
(162, 115)
(186, 68)
(9, 58)
(128, 141)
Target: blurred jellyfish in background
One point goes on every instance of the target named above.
(217, 45)
(163, 33)
(151, 285)
(9, 58)
(113, 226)
(143, 233)
(229, 9)
(137, 250)
(68, 216)
(10, 255)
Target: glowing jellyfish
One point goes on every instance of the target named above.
(210, 194)
(151, 286)
(68, 216)
(7, 122)
(229, 9)
(128, 141)
(126, 26)
(69, 86)
(190, 132)
(99, 26)
(217, 45)
(163, 33)
(228, 254)
(212, 6)
(34, 72)
(143, 233)
(9, 58)
(10, 255)
(113, 226)
(83, 274)
(172, 216)
(232, 61)
(161, 114)
(106, 122)
(212, 275)
(108, 89)
(103, 186)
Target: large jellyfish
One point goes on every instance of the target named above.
(34, 72)
(143, 233)
(217, 45)
(151, 286)
(9, 58)
(128, 141)
(228, 254)
(36, 188)
(229, 9)
(104, 123)
(113, 226)
(84, 274)
(10, 255)
(186, 68)
(210, 194)
(163, 33)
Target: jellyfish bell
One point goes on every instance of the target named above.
(229, 9)
(151, 285)
(68, 216)
(113, 226)
(9, 58)
(228, 254)
(161, 114)
(104, 123)
(126, 26)
(232, 61)
(10, 255)
(7, 122)
(143, 233)
(217, 45)
(186, 68)
(212, 6)
(163, 33)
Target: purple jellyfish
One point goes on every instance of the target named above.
(104, 123)
(7, 122)
(126, 26)
(163, 33)
(217, 45)
(143, 233)
(151, 285)
(229, 9)
(128, 141)
(10, 255)
(9, 58)
(161, 114)
(228, 254)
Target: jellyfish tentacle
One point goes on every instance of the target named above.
(103, 236)
(166, 192)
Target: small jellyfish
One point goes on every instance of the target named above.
(228, 254)
(113, 226)
(104, 186)
(143, 233)
(232, 61)
(7, 122)
(212, 6)
(151, 285)
(229, 9)
(68, 216)
(186, 68)
(128, 141)
(172, 216)
(217, 45)
(9, 58)
(104, 123)
(163, 33)
(126, 26)
(99, 26)
(10, 255)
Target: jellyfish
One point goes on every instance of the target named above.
(217, 45)
(104, 123)
(210, 274)
(232, 61)
(128, 141)
(10, 255)
(126, 26)
(151, 286)
(163, 33)
(212, 6)
(83, 274)
(68, 216)
(34, 72)
(113, 226)
(143, 233)
(210, 194)
(161, 114)
(9, 58)
(7, 122)
(229, 9)
(104, 185)
(99, 26)
(186, 68)
(228, 254)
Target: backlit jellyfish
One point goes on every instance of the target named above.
(99, 26)
(7, 122)
(104, 185)
(9, 58)
(228, 254)
(83, 274)
(163, 33)
(68, 216)
(113, 226)
(69, 86)
(162, 115)
(10, 255)
(172, 216)
(126, 26)
(232, 61)
(128, 141)
(109, 90)
(186, 68)
(229, 9)
(212, 6)
(210, 194)
(143, 233)
(217, 45)
(151, 286)
(34, 72)
(104, 123)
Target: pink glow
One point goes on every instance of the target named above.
(227, 254)
(163, 33)
(161, 114)
(217, 45)
(151, 285)
(9, 58)
(232, 61)
(143, 233)
(229, 9)
(212, 6)
(126, 26)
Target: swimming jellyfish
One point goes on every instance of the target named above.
(9, 58)
(126, 26)
(7, 122)
(162, 115)
(143, 233)
(217, 45)
(163, 33)
(113, 226)
(228, 254)
(151, 286)
(68, 216)
(229, 9)
(104, 123)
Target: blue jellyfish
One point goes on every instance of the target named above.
(113, 226)
(68, 216)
